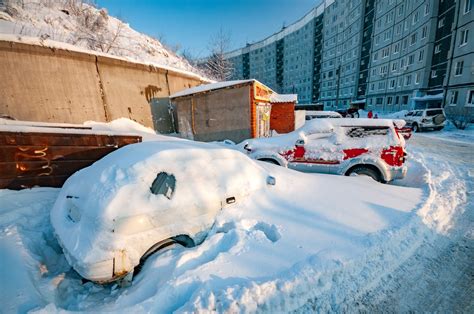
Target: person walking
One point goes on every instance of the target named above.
(370, 114)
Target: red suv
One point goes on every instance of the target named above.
(372, 147)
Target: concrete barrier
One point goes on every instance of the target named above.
(58, 85)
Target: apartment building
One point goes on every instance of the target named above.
(389, 54)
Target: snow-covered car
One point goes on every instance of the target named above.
(371, 147)
(310, 115)
(421, 120)
(111, 216)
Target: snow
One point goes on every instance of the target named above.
(121, 126)
(86, 29)
(312, 241)
(278, 98)
(208, 87)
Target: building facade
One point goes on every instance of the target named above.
(389, 54)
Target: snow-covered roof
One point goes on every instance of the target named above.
(429, 97)
(360, 101)
(279, 98)
(208, 87)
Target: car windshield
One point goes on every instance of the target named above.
(431, 113)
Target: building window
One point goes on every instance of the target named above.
(470, 98)
(404, 100)
(396, 48)
(438, 48)
(453, 100)
(467, 6)
(389, 100)
(417, 78)
(434, 74)
(413, 39)
(408, 80)
(441, 23)
(458, 68)
(464, 36)
(392, 84)
(415, 17)
(400, 10)
(427, 9)
(379, 101)
(394, 67)
(424, 31)
(421, 55)
(376, 55)
(411, 59)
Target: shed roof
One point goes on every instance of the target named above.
(208, 87)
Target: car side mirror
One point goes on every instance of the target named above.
(300, 142)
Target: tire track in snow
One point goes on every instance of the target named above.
(439, 276)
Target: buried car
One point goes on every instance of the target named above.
(112, 215)
(371, 147)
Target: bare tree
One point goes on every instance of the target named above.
(217, 66)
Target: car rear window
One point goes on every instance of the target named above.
(164, 184)
(431, 113)
(364, 131)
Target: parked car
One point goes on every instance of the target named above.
(421, 120)
(111, 216)
(310, 115)
(349, 112)
(337, 146)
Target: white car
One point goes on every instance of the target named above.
(371, 147)
(310, 115)
(112, 215)
(423, 119)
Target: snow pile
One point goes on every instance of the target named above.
(76, 25)
(121, 126)
(312, 241)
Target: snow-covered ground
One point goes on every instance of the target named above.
(76, 25)
(316, 241)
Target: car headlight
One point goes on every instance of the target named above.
(132, 224)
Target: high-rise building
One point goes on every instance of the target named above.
(389, 54)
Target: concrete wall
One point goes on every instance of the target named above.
(217, 115)
(54, 85)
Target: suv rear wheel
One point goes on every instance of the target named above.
(415, 127)
(366, 171)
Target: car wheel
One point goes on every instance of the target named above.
(269, 160)
(154, 249)
(355, 115)
(415, 127)
(366, 171)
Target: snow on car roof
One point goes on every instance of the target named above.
(208, 87)
(323, 113)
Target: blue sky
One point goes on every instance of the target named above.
(191, 23)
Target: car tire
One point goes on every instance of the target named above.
(415, 128)
(269, 160)
(439, 119)
(366, 171)
(154, 249)
(355, 115)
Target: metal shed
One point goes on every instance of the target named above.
(234, 110)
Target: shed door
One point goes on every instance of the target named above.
(263, 119)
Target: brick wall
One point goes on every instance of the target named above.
(282, 117)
